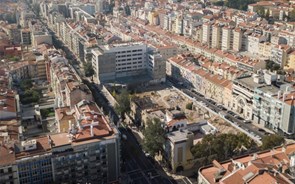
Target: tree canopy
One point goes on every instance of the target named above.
(272, 66)
(218, 3)
(88, 69)
(30, 96)
(123, 100)
(239, 4)
(271, 141)
(26, 84)
(221, 147)
(154, 137)
(36, 9)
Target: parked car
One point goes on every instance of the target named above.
(246, 121)
(261, 130)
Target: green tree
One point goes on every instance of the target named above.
(189, 106)
(30, 96)
(154, 137)
(88, 70)
(221, 147)
(272, 66)
(261, 11)
(218, 3)
(36, 9)
(26, 84)
(271, 141)
(239, 4)
(292, 15)
(123, 100)
(267, 14)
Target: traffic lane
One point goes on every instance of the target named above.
(243, 125)
(246, 126)
(140, 157)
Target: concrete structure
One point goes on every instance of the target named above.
(40, 37)
(177, 150)
(118, 61)
(216, 36)
(207, 33)
(227, 38)
(90, 152)
(26, 37)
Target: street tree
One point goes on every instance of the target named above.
(123, 100)
(154, 137)
(271, 141)
(292, 15)
(221, 147)
(88, 70)
(36, 9)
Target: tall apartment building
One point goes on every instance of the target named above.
(112, 62)
(207, 33)
(26, 37)
(179, 24)
(237, 39)
(89, 153)
(273, 104)
(216, 36)
(227, 38)
(279, 54)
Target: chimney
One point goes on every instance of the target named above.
(91, 130)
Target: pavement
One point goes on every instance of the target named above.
(249, 128)
(138, 167)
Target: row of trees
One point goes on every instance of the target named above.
(221, 147)
(225, 146)
(212, 147)
(236, 4)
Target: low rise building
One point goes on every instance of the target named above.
(267, 166)
(177, 150)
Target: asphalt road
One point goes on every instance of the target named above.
(139, 168)
(213, 106)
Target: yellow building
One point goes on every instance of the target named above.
(290, 61)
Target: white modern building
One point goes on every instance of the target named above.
(116, 61)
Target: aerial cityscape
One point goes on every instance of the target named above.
(147, 91)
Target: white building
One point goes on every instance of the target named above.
(117, 61)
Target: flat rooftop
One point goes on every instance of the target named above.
(60, 139)
(269, 89)
(178, 136)
(249, 82)
(128, 44)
